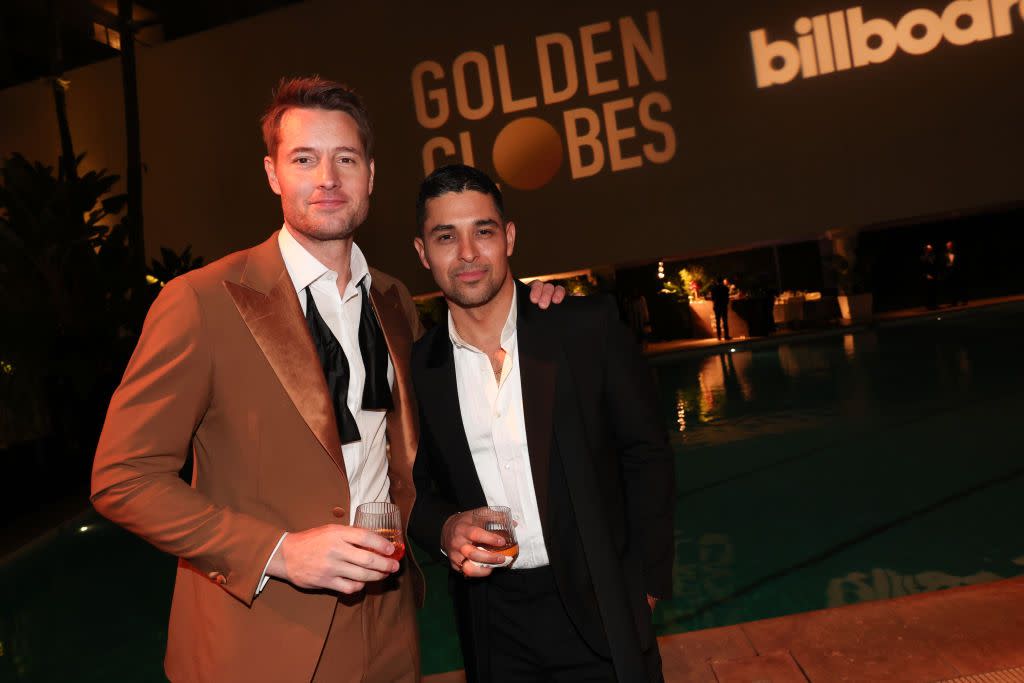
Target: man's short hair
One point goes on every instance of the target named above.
(313, 92)
(455, 178)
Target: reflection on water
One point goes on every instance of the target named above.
(800, 361)
(681, 411)
(748, 393)
(849, 346)
(801, 464)
(882, 584)
(704, 572)
(720, 378)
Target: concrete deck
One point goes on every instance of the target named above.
(926, 638)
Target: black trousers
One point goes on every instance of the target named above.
(722, 320)
(531, 638)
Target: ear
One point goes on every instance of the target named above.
(371, 177)
(510, 238)
(417, 242)
(268, 166)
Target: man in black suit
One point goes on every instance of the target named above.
(720, 304)
(550, 413)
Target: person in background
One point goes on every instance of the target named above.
(638, 316)
(720, 304)
(953, 276)
(930, 271)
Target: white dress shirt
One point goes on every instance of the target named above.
(366, 462)
(492, 414)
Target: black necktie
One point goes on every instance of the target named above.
(372, 348)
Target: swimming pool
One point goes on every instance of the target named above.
(812, 473)
(846, 468)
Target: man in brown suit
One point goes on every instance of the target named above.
(234, 365)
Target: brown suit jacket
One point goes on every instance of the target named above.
(226, 368)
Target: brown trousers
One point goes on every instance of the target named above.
(373, 637)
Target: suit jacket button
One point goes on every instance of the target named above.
(218, 577)
(338, 512)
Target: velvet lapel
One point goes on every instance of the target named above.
(267, 301)
(439, 401)
(402, 427)
(538, 352)
(397, 334)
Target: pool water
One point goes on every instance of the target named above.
(846, 468)
(814, 473)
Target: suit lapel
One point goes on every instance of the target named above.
(439, 400)
(538, 350)
(402, 422)
(396, 330)
(267, 302)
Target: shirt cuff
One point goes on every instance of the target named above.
(265, 578)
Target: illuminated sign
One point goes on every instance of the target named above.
(845, 40)
(607, 132)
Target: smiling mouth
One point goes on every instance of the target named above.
(471, 275)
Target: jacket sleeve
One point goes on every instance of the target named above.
(150, 424)
(432, 507)
(647, 460)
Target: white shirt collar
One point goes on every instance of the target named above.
(304, 269)
(507, 332)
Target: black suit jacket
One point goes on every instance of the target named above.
(603, 474)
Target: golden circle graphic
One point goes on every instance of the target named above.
(527, 153)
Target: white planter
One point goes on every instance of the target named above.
(788, 311)
(856, 306)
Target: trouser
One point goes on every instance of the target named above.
(373, 637)
(722, 321)
(531, 638)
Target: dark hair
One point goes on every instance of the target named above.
(313, 92)
(455, 178)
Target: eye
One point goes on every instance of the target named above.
(303, 160)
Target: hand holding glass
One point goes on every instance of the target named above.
(498, 520)
(384, 519)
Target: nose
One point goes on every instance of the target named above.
(467, 250)
(329, 177)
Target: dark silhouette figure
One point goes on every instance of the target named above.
(720, 303)
(638, 317)
(930, 271)
(953, 276)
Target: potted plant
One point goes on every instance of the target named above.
(686, 290)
